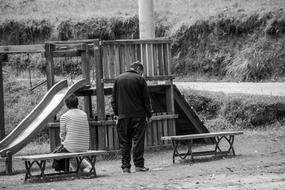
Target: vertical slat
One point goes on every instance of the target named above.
(117, 60)
(165, 58)
(143, 58)
(111, 137)
(111, 61)
(165, 129)
(51, 138)
(170, 106)
(149, 135)
(154, 132)
(93, 135)
(150, 59)
(169, 59)
(155, 61)
(116, 139)
(160, 60)
(104, 60)
(121, 59)
(160, 131)
(139, 52)
(101, 137)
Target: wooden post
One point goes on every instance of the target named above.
(86, 74)
(100, 93)
(2, 118)
(49, 48)
(8, 163)
(170, 107)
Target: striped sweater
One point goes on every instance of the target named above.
(74, 130)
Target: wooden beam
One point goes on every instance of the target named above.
(136, 41)
(86, 74)
(2, 118)
(49, 49)
(37, 48)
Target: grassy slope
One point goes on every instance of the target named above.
(176, 10)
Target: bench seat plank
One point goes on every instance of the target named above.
(201, 135)
(50, 156)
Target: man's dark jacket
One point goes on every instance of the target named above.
(130, 97)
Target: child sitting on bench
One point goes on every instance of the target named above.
(74, 134)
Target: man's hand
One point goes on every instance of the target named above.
(116, 118)
(148, 120)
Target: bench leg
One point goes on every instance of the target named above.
(42, 166)
(230, 140)
(92, 160)
(175, 145)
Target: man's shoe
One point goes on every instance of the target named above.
(142, 169)
(126, 170)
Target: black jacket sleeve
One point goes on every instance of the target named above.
(114, 102)
(147, 101)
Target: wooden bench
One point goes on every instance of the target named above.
(40, 161)
(188, 141)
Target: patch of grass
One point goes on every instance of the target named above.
(236, 110)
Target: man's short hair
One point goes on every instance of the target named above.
(71, 101)
(136, 65)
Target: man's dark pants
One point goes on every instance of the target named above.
(132, 129)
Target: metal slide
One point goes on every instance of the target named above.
(37, 119)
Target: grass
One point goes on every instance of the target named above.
(175, 10)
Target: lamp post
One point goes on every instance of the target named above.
(146, 19)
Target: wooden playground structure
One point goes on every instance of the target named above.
(173, 116)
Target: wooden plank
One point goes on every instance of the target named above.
(93, 137)
(165, 58)
(144, 59)
(155, 61)
(165, 129)
(111, 60)
(154, 132)
(150, 59)
(116, 139)
(202, 135)
(101, 136)
(160, 131)
(110, 137)
(52, 135)
(149, 135)
(11, 49)
(138, 41)
(139, 56)
(49, 156)
(2, 114)
(169, 56)
(99, 82)
(117, 60)
(160, 60)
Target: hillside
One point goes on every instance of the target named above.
(232, 40)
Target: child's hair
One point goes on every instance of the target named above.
(71, 101)
(137, 65)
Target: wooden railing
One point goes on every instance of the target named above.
(103, 134)
(118, 55)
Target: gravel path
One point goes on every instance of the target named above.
(271, 89)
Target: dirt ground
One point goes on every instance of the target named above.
(259, 164)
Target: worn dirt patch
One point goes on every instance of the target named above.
(259, 164)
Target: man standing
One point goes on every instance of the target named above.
(131, 104)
